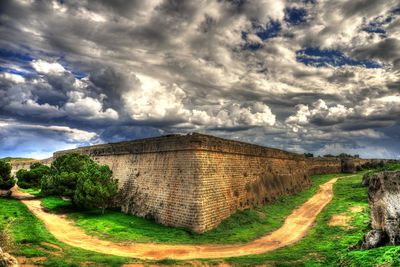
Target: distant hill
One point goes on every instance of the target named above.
(15, 159)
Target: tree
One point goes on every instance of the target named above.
(344, 155)
(63, 175)
(95, 187)
(32, 178)
(6, 180)
(308, 155)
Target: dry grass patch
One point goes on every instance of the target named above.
(342, 220)
(356, 209)
(30, 262)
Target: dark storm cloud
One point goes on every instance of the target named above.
(115, 70)
(387, 50)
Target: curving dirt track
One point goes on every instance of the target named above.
(294, 228)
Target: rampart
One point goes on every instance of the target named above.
(196, 181)
(26, 164)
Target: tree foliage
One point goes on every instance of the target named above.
(6, 180)
(64, 174)
(95, 187)
(78, 177)
(32, 178)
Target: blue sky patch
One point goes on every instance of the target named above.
(266, 32)
(270, 31)
(375, 26)
(295, 16)
(13, 71)
(248, 45)
(321, 58)
(14, 56)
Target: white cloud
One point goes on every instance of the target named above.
(42, 66)
(319, 110)
(31, 107)
(155, 101)
(232, 115)
(15, 78)
(364, 150)
(386, 105)
(72, 134)
(22, 139)
(195, 71)
(85, 107)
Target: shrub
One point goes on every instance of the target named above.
(95, 187)
(6, 240)
(31, 178)
(78, 177)
(64, 174)
(6, 180)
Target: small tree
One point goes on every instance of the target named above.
(6, 180)
(31, 178)
(95, 187)
(64, 174)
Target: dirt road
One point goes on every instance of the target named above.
(294, 228)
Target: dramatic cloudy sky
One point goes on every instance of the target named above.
(317, 76)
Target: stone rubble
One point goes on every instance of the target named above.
(384, 201)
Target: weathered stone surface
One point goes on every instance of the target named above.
(6, 260)
(348, 165)
(5, 193)
(196, 181)
(374, 238)
(26, 164)
(384, 201)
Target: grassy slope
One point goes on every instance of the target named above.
(324, 246)
(29, 234)
(328, 245)
(241, 227)
(15, 159)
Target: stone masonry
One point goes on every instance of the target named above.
(195, 181)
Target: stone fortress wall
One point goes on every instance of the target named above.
(25, 164)
(196, 181)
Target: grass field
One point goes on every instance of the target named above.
(15, 159)
(34, 241)
(324, 245)
(240, 227)
(327, 245)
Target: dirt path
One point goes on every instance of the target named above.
(294, 228)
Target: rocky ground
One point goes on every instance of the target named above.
(6, 260)
(384, 201)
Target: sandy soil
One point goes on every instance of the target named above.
(356, 209)
(342, 220)
(294, 228)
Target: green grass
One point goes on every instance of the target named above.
(243, 226)
(15, 159)
(324, 245)
(30, 234)
(328, 245)
(390, 166)
(32, 191)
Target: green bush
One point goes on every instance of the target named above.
(6, 180)
(78, 177)
(95, 187)
(31, 178)
(64, 174)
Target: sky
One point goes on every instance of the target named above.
(304, 76)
